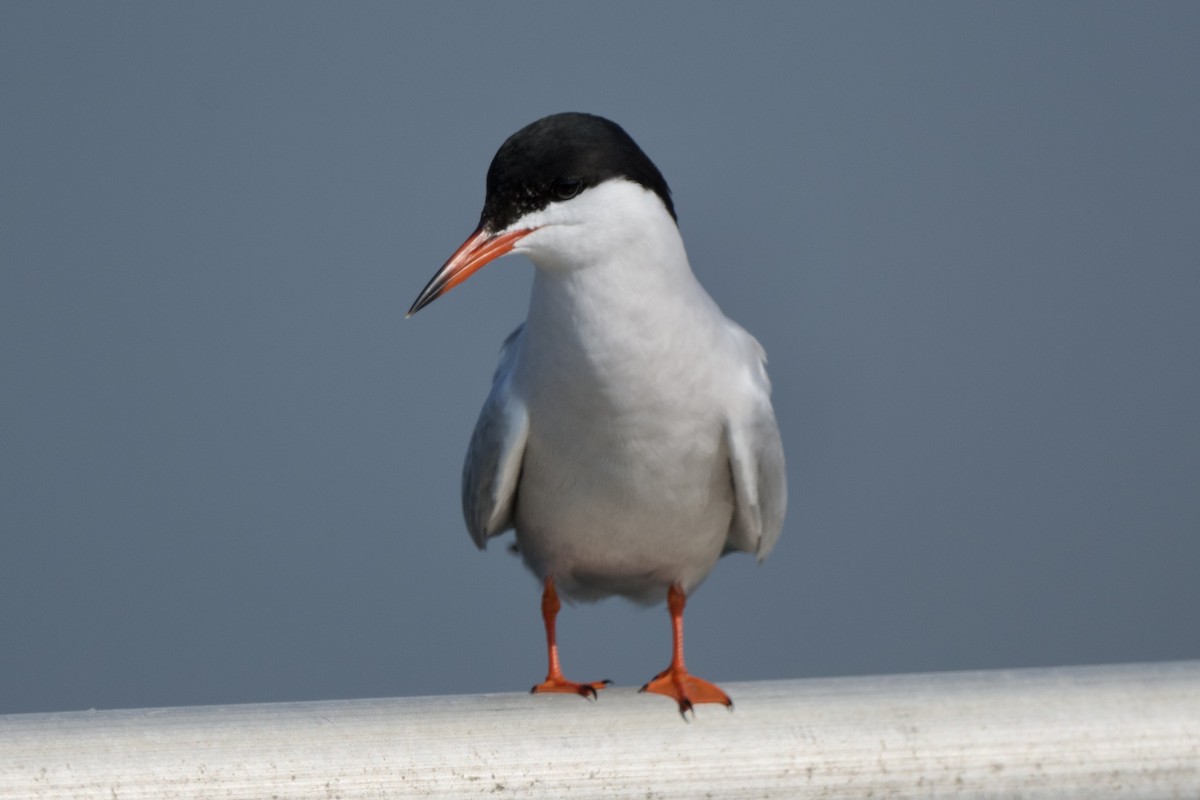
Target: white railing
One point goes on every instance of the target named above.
(1085, 732)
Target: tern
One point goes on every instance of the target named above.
(629, 437)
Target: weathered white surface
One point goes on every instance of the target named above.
(1087, 732)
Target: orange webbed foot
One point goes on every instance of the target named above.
(686, 690)
(560, 685)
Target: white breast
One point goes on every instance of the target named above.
(625, 368)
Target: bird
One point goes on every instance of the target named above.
(628, 437)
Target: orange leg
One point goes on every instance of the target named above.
(555, 682)
(675, 681)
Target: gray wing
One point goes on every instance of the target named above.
(493, 465)
(755, 460)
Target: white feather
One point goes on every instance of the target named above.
(637, 416)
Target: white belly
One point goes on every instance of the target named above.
(625, 483)
(621, 500)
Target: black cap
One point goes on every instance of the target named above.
(555, 159)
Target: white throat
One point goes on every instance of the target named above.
(614, 298)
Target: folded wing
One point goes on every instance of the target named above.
(493, 465)
(756, 462)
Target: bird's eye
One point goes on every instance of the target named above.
(566, 188)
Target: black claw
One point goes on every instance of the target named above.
(644, 685)
(534, 689)
(685, 706)
(606, 682)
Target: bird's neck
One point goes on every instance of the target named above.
(638, 282)
(634, 309)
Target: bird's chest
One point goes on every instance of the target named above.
(623, 493)
(633, 436)
(626, 414)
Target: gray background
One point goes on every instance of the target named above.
(967, 235)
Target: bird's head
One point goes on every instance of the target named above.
(558, 190)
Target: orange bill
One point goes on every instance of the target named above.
(479, 248)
